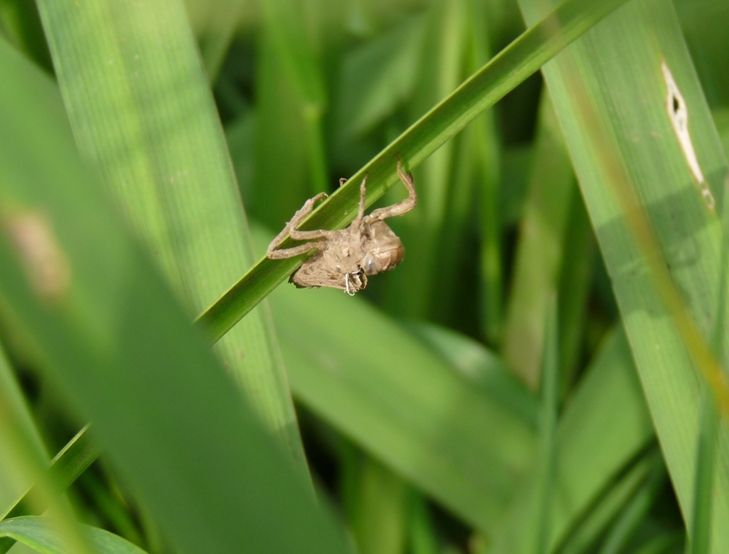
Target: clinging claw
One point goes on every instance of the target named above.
(402, 207)
(291, 229)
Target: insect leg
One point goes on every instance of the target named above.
(294, 251)
(402, 207)
(290, 227)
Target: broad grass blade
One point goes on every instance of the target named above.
(655, 209)
(142, 112)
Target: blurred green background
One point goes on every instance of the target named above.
(543, 372)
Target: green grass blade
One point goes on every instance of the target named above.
(624, 484)
(488, 150)
(575, 287)
(556, 247)
(666, 543)
(141, 108)
(423, 534)
(20, 26)
(540, 249)
(480, 367)
(630, 518)
(379, 515)
(13, 408)
(548, 421)
(522, 58)
(23, 456)
(289, 164)
(66, 467)
(604, 425)
(215, 25)
(276, 189)
(120, 350)
(38, 533)
(413, 291)
(647, 207)
(699, 527)
(377, 77)
(699, 541)
(285, 20)
(291, 26)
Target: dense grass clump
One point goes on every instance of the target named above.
(544, 373)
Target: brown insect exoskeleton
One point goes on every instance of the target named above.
(346, 257)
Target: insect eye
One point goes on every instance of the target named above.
(370, 265)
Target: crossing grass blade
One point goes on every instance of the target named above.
(142, 111)
(506, 70)
(659, 230)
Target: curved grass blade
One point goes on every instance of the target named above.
(504, 72)
(38, 533)
(453, 435)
